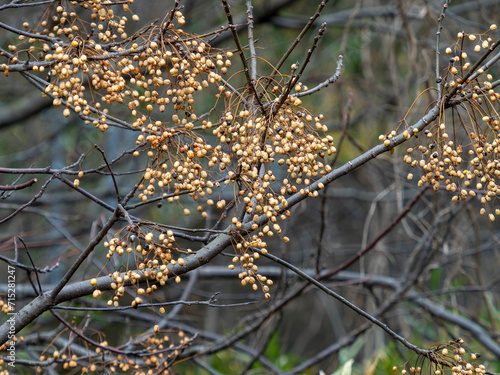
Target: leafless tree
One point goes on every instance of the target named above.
(173, 194)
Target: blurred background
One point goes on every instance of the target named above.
(437, 266)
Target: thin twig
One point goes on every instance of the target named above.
(21, 5)
(294, 80)
(251, 42)
(39, 291)
(111, 172)
(25, 267)
(250, 81)
(28, 34)
(324, 84)
(30, 202)
(210, 302)
(472, 72)
(346, 302)
(18, 187)
(438, 53)
(300, 36)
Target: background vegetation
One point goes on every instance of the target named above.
(399, 249)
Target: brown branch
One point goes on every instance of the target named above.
(18, 187)
(246, 70)
(301, 35)
(30, 202)
(117, 191)
(251, 41)
(294, 80)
